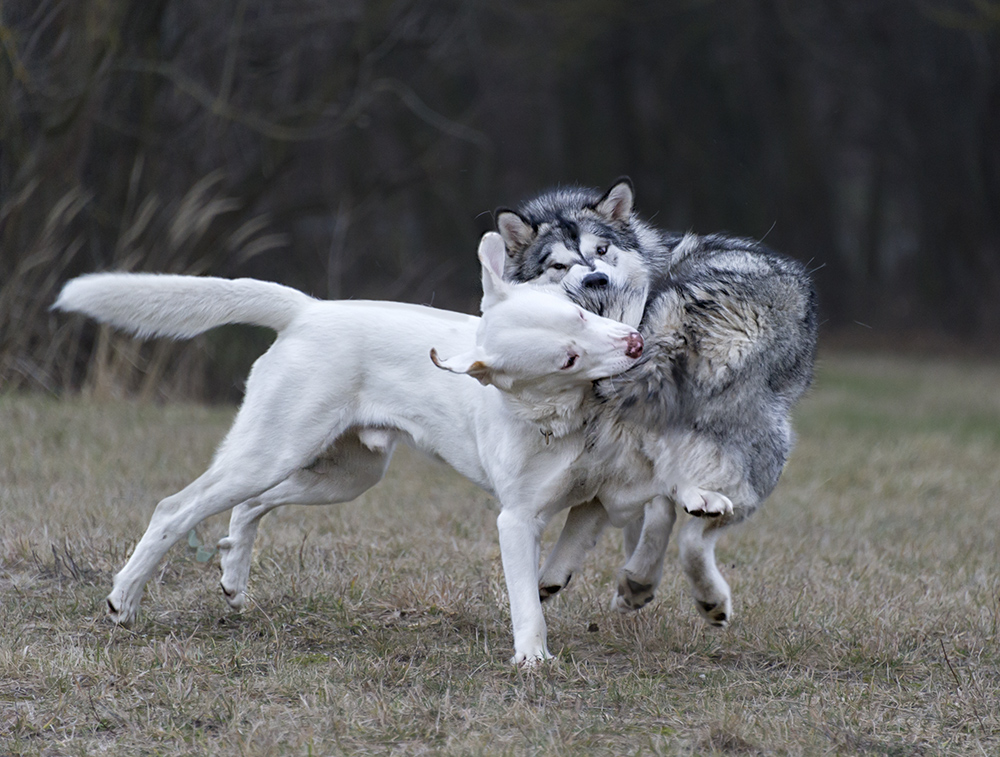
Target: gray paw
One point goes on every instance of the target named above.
(715, 613)
(550, 590)
(632, 595)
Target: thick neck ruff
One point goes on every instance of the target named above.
(554, 416)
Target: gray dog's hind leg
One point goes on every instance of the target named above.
(584, 524)
(631, 535)
(708, 587)
(637, 581)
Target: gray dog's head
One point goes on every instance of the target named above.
(589, 244)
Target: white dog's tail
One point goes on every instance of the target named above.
(154, 304)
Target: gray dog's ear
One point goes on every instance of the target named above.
(616, 205)
(471, 363)
(517, 233)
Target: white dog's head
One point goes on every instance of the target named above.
(529, 337)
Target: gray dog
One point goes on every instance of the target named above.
(703, 419)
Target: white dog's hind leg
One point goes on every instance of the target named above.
(697, 552)
(351, 467)
(236, 549)
(584, 524)
(637, 581)
(257, 454)
(212, 492)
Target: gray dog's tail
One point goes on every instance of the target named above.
(153, 304)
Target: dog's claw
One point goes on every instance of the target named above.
(714, 613)
(530, 662)
(549, 590)
(632, 595)
(708, 505)
(117, 616)
(235, 599)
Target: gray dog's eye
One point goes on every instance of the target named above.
(557, 267)
(602, 249)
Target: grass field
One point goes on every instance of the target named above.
(866, 598)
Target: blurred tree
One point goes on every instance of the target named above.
(354, 149)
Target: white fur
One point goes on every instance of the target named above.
(659, 469)
(153, 304)
(344, 381)
(638, 487)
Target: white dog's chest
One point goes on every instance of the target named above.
(582, 484)
(549, 478)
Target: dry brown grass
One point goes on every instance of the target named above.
(867, 598)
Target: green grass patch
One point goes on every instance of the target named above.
(866, 596)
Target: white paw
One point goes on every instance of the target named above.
(235, 598)
(715, 613)
(531, 659)
(631, 595)
(548, 589)
(234, 575)
(121, 608)
(706, 504)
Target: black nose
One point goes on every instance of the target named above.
(595, 280)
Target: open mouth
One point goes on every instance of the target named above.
(633, 345)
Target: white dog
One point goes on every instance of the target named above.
(344, 381)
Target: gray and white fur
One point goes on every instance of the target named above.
(730, 333)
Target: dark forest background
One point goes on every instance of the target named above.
(357, 149)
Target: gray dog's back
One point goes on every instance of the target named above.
(730, 333)
(730, 330)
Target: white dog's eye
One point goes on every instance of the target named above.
(570, 361)
(583, 315)
(602, 249)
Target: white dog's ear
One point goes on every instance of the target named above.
(471, 363)
(517, 233)
(492, 257)
(616, 205)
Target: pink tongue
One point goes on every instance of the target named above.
(633, 345)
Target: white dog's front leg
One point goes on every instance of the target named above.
(519, 548)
